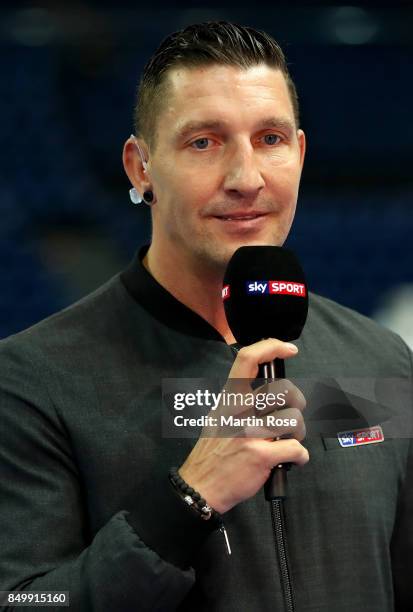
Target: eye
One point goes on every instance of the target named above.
(272, 139)
(200, 143)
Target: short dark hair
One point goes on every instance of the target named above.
(201, 44)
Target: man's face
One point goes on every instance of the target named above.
(227, 163)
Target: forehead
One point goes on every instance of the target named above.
(225, 92)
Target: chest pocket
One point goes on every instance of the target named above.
(366, 477)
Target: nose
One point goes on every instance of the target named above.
(243, 176)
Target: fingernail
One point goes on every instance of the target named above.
(291, 347)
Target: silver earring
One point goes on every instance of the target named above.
(135, 196)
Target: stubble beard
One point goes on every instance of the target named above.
(209, 255)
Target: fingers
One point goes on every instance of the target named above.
(270, 398)
(272, 453)
(288, 451)
(281, 424)
(278, 394)
(250, 357)
(226, 471)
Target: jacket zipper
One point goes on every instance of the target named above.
(278, 523)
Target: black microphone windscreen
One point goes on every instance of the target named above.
(265, 294)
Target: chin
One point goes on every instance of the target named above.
(216, 255)
(219, 257)
(264, 241)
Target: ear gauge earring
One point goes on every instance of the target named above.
(135, 196)
(148, 197)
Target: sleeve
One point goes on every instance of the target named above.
(402, 541)
(137, 561)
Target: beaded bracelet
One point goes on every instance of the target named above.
(192, 497)
(197, 503)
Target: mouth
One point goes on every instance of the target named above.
(242, 223)
(240, 216)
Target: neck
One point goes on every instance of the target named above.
(199, 291)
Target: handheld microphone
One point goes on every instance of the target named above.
(265, 296)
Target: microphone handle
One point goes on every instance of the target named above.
(272, 370)
(276, 485)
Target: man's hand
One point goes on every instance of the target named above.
(228, 470)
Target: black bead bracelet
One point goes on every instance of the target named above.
(192, 497)
(194, 500)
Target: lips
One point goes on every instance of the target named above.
(240, 216)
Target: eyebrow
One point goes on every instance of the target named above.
(277, 123)
(193, 126)
(271, 122)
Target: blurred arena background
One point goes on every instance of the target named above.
(68, 77)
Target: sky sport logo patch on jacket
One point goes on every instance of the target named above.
(358, 437)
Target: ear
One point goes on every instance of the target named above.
(134, 165)
(302, 145)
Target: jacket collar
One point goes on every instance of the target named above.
(161, 304)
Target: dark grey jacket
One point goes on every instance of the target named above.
(85, 505)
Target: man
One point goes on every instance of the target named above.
(86, 504)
